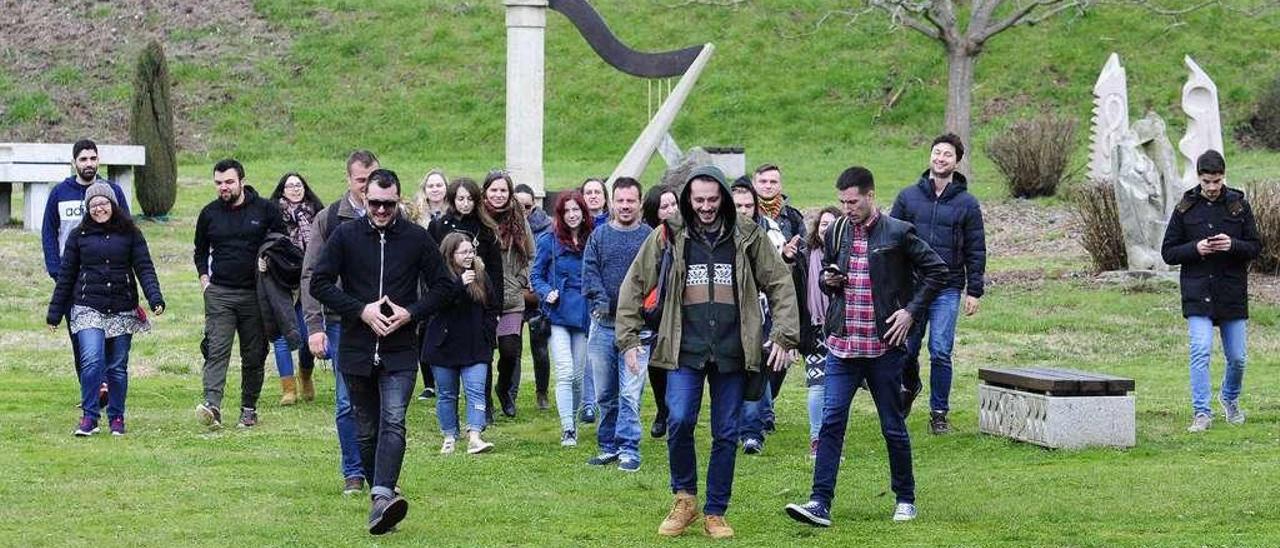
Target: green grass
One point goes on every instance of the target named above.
(169, 482)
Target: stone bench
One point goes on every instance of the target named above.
(40, 166)
(1057, 408)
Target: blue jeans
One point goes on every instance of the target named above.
(568, 348)
(103, 360)
(1200, 331)
(816, 399)
(284, 358)
(684, 401)
(884, 379)
(754, 414)
(381, 402)
(472, 379)
(344, 417)
(941, 322)
(617, 393)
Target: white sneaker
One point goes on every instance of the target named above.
(477, 445)
(1231, 408)
(447, 447)
(1200, 423)
(904, 512)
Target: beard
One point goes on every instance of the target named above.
(88, 173)
(231, 197)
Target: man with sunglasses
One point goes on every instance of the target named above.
(380, 262)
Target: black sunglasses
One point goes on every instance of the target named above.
(382, 204)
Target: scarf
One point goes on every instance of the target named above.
(511, 228)
(771, 208)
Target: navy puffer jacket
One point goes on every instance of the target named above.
(101, 269)
(952, 225)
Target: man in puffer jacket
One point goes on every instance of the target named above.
(949, 219)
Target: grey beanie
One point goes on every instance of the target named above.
(100, 189)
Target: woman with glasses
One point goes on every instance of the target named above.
(464, 215)
(557, 279)
(298, 206)
(516, 241)
(458, 343)
(102, 263)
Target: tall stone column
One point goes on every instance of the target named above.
(526, 30)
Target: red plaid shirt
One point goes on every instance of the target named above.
(861, 339)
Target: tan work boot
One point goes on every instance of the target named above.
(715, 527)
(289, 391)
(306, 387)
(682, 514)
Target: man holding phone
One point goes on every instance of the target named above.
(1213, 236)
(869, 270)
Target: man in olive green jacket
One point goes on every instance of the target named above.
(710, 330)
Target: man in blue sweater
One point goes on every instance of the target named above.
(605, 261)
(65, 208)
(949, 219)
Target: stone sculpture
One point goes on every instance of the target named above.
(1110, 118)
(1204, 122)
(1146, 184)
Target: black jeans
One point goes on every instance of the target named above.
(538, 337)
(509, 349)
(658, 380)
(380, 402)
(884, 379)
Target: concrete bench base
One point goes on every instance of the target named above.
(1059, 422)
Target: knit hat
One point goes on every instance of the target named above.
(100, 189)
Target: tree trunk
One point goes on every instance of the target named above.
(960, 63)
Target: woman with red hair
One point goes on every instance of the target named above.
(556, 277)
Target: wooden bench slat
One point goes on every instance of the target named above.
(1058, 381)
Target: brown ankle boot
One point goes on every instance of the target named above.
(306, 387)
(715, 527)
(289, 391)
(683, 512)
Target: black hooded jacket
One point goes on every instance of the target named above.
(1214, 285)
(952, 226)
(227, 239)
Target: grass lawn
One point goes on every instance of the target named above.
(170, 482)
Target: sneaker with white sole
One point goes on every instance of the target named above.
(1231, 408)
(1200, 423)
(209, 415)
(812, 513)
(477, 446)
(904, 511)
(569, 439)
(87, 427)
(447, 447)
(629, 465)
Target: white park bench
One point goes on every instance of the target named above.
(40, 166)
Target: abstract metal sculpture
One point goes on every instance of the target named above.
(526, 28)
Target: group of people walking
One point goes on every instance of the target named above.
(710, 283)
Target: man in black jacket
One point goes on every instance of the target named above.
(228, 233)
(1212, 234)
(869, 268)
(949, 219)
(380, 262)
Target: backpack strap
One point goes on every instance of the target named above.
(331, 218)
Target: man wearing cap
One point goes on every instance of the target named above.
(65, 208)
(1213, 236)
(716, 256)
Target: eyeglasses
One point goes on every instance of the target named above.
(377, 205)
(293, 185)
(102, 206)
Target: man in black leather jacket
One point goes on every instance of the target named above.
(870, 268)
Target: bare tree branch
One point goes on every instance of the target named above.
(1025, 14)
(899, 11)
(851, 16)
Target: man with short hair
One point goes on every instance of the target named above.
(325, 326)
(1213, 236)
(605, 260)
(715, 258)
(63, 212)
(949, 219)
(870, 265)
(539, 328)
(381, 261)
(229, 232)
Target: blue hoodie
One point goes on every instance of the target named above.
(62, 214)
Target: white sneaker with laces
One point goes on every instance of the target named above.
(447, 447)
(904, 512)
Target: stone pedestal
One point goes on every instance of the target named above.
(1059, 422)
(526, 76)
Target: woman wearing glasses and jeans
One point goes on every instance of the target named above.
(102, 263)
(298, 207)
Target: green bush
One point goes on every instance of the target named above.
(1033, 154)
(1264, 198)
(151, 125)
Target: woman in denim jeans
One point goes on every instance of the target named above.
(556, 277)
(815, 362)
(102, 263)
(298, 206)
(458, 343)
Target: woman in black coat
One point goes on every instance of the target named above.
(102, 264)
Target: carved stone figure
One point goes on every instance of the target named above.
(1147, 188)
(1110, 118)
(1204, 122)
